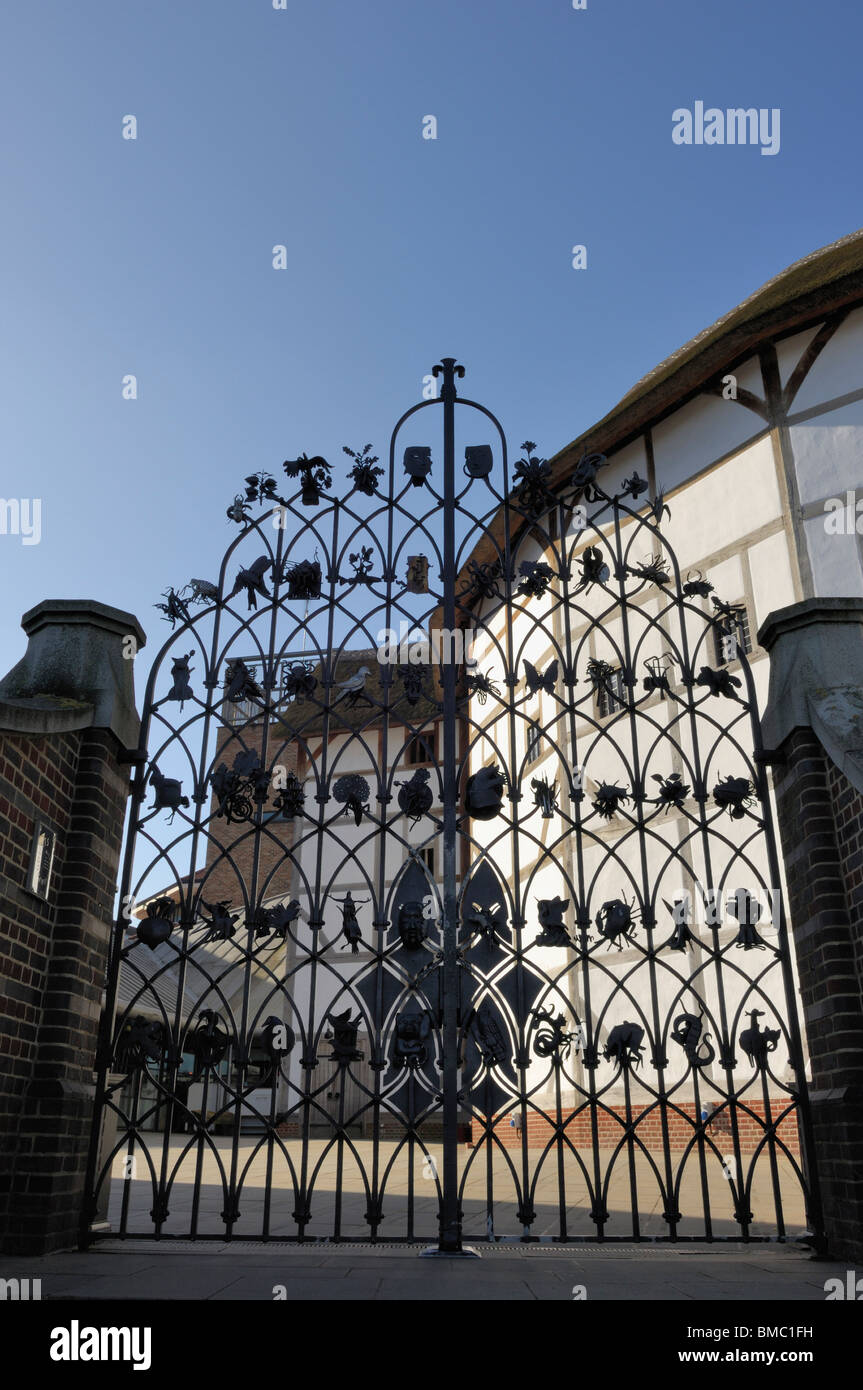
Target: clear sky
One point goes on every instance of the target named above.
(303, 127)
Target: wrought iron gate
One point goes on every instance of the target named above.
(456, 910)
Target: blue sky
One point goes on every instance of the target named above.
(303, 127)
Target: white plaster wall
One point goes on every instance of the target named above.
(839, 367)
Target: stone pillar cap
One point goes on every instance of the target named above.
(816, 678)
(76, 672)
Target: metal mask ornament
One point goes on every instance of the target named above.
(410, 1043)
(412, 925)
(417, 581)
(417, 464)
(484, 793)
(478, 460)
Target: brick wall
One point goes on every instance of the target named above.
(821, 825)
(52, 957)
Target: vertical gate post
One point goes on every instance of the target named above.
(813, 734)
(450, 1228)
(67, 717)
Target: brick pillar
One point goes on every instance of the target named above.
(813, 732)
(67, 716)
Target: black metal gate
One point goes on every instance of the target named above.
(456, 912)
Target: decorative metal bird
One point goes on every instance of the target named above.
(252, 580)
(353, 688)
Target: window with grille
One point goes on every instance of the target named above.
(736, 628)
(422, 748)
(534, 742)
(610, 694)
(427, 856)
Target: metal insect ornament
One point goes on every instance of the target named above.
(415, 796)
(536, 576)
(624, 1045)
(350, 924)
(686, 1032)
(484, 793)
(551, 1038)
(290, 799)
(746, 910)
(481, 685)
(593, 569)
(659, 508)
(658, 668)
(412, 924)
(203, 591)
(277, 1039)
(634, 486)
(353, 792)
(489, 1036)
(615, 920)
(364, 475)
(654, 570)
(417, 464)
(719, 682)
(544, 796)
(532, 476)
(140, 1040)
(303, 579)
(158, 924)
(696, 585)
(343, 1037)
(180, 673)
(681, 915)
(757, 1044)
(222, 923)
(609, 798)
(314, 473)
(167, 794)
(734, 795)
(673, 791)
(550, 912)
(600, 673)
(417, 581)
(410, 1040)
(546, 681)
(175, 609)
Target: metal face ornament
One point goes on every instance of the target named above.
(412, 925)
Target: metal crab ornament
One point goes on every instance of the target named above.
(615, 921)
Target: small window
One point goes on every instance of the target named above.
(610, 693)
(736, 628)
(427, 857)
(534, 742)
(421, 749)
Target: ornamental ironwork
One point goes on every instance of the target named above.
(460, 940)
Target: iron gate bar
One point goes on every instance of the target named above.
(480, 989)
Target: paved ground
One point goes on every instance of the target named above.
(275, 1219)
(241, 1271)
